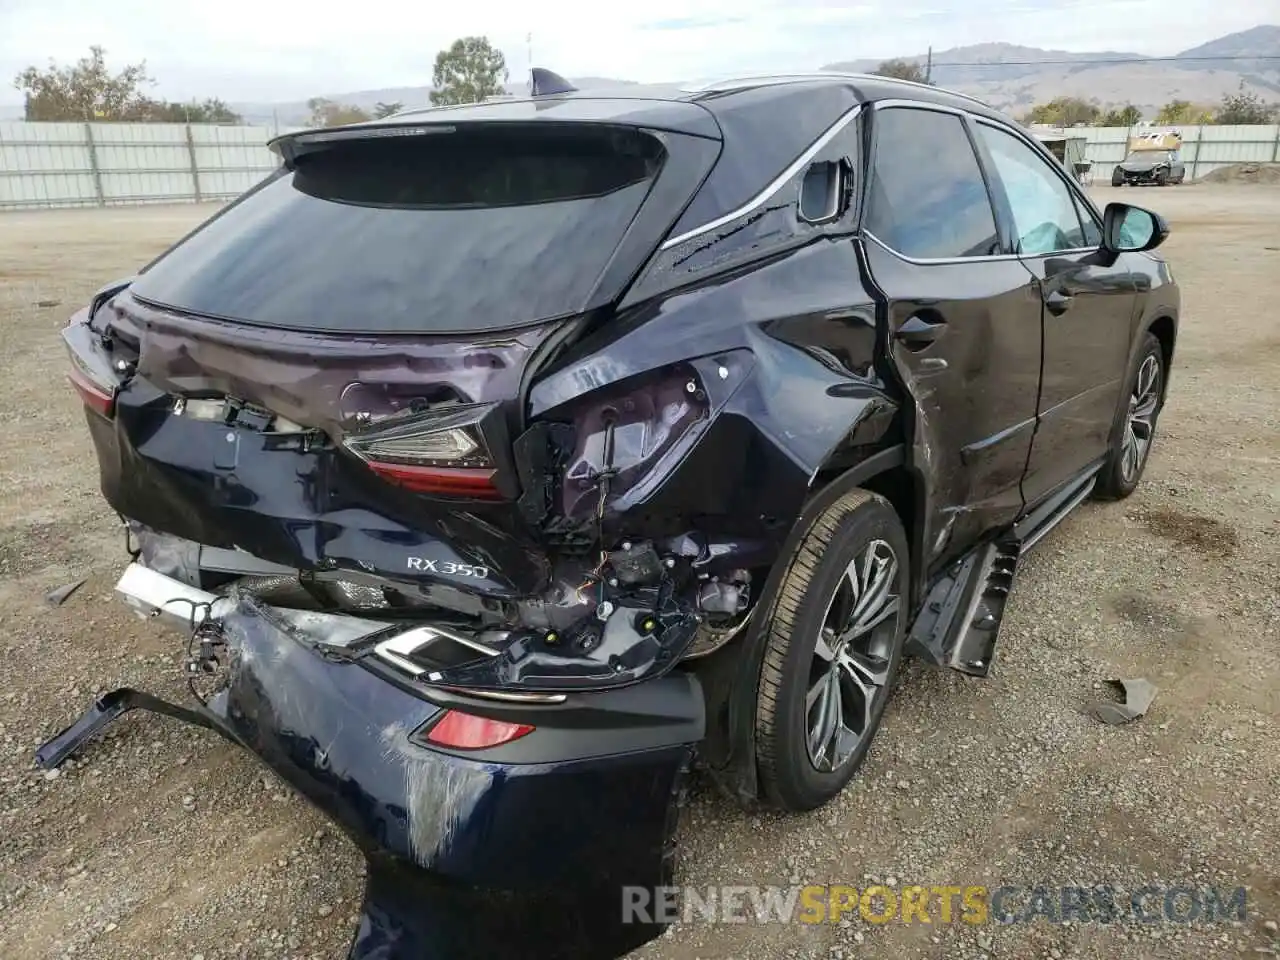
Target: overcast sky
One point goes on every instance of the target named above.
(261, 50)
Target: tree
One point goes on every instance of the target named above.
(88, 91)
(85, 91)
(1175, 111)
(1183, 113)
(384, 110)
(1064, 112)
(1125, 116)
(159, 111)
(1245, 106)
(326, 113)
(901, 70)
(469, 71)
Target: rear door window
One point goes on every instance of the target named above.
(928, 199)
(469, 230)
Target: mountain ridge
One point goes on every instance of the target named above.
(1010, 77)
(1014, 77)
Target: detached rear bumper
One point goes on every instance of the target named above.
(517, 851)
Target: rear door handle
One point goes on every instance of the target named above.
(1057, 302)
(917, 332)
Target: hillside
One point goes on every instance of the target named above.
(1013, 77)
(1006, 75)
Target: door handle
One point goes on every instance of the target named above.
(918, 333)
(1057, 302)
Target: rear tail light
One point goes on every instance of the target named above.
(95, 389)
(464, 731)
(438, 452)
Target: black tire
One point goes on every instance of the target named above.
(1117, 178)
(860, 524)
(1120, 477)
(1162, 178)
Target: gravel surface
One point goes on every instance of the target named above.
(164, 842)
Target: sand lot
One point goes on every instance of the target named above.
(162, 841)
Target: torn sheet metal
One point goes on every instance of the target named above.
(59, 596)
(1138, 695)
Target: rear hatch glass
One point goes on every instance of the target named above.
(469, 229)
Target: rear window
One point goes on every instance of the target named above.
(456, 231)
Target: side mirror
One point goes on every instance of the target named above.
(1129, 229)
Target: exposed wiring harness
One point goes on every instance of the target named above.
(596, 576)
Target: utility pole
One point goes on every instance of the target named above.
(528, 40)
(928, 66)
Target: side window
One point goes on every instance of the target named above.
(928, 199)
(1045, 217)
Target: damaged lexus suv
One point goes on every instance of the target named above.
(497, 461)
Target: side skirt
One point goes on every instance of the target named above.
(959, 621)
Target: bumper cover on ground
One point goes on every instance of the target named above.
(466, 857)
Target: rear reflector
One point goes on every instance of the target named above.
(450, 481)
(96, 397)
(463, 731)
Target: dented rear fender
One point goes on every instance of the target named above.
(752, 397)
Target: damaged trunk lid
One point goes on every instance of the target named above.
(331, 373)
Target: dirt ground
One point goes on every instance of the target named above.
(162, 841)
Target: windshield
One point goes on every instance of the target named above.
(463, 231)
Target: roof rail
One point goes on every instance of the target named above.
(764, 79)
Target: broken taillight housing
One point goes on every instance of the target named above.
(437, 451)
(97, 389)
(464, 731)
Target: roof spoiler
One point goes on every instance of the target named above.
(290, 146)
(545, 83)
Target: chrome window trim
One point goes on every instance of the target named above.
(774, 186)
(929, 261)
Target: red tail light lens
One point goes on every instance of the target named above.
(97, 395)
(463, 731)
(437, 452)
(450, 481)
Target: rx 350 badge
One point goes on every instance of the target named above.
(448, 568)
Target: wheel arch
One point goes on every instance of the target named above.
(1165, 330)
(891, 476)
(730, 676)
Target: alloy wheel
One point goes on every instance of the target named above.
(1141, 425)
(851, 661)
